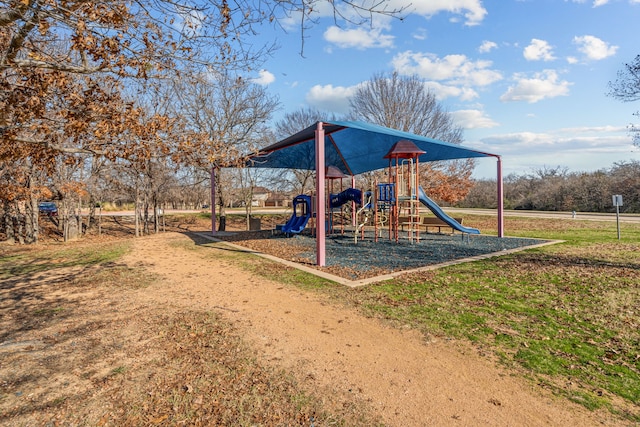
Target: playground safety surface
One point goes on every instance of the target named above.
(356, 264)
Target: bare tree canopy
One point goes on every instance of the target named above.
(231, 111)
(626, 88)
(137, 36)
(74, 73)
(298, 120)
(290, 124)
(44, 44)
(405, 103)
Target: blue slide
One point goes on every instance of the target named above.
(425, 200)
(348, 195)
(298, 222)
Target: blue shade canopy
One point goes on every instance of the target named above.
(354, 148)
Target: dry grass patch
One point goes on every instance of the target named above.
(76, 348)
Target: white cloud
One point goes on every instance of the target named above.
(189, 21)
(472, 10)
(578, 149)
(455, 70)
(597, 3)
(349, 13)
(561, 142)
(473, 119)
(330, 98)
(358, 38)
(447, 91)
(265, 79)
(422, 34)
(487, 46)
(543, 85)
(593, 129)
(593, 48)
(538, 50)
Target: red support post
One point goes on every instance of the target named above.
(353, 204)
(500, 199)
(320, 198)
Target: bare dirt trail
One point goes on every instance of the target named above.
(336, 351)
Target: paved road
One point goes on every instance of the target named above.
(130, 213)
(584, 216)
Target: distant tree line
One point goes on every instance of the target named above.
(556, 189)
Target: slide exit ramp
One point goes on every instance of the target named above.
(300, 217)
(437, 211)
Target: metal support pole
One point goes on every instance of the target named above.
(320, 202)
(618, 219)
(353, 204)
(500, 199)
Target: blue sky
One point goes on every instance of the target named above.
(526, 79)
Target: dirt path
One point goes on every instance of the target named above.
(337, 351)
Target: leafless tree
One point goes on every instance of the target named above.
(233, 112)
(291, 124)
(405, 103)
(64, 65)
(626, 88)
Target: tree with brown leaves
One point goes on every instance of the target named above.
(71, 73)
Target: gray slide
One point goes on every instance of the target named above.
(437, 211)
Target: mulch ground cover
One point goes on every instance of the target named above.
(368, 258)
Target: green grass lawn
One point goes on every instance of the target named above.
(567, 315)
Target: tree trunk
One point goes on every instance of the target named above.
(136, 212)
(9, 222)
(91, 218)
(69, 220)
(156, 219)
(164, 229)
(247, 213)
(31, 220)
(19, 228)
(31, 212)
(222, 224)
(145, 219)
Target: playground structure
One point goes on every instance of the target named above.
(395, 203)
(401, 193)
(353, 147)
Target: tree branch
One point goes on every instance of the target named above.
(11, 15)
(33, 63)
(19, 38)
(56, 147)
